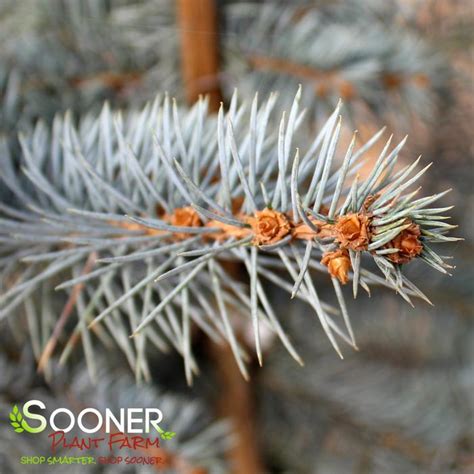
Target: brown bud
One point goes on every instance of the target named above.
(338, 263)
(184, 217)
(352, 231)
(269, 226)
(408, 243)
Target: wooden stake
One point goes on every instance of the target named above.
(200, 50)
(236, 403)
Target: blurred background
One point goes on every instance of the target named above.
(404, 403)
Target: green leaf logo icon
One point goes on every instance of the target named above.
(19, 423)
(16, 420)
(167, 435)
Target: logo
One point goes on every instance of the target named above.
(129, 420)
(125, 430)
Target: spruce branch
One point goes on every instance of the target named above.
(335, 49)
(165, 195)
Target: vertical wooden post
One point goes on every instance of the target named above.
(200, 50)
(236, 403)
(200, 68)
